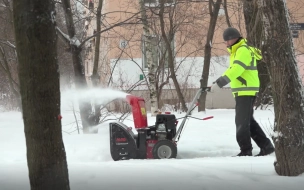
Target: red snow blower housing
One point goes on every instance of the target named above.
(151, 142)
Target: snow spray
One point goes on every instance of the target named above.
(98, 95)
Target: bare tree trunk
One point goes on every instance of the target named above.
(13, 85)
(226, 13)
(95, 76)
(8, 52)
(254, 28)
(170, 54)
(287, 88)
(150, 53)
(80, 80)
(213, 11)
(36, 41)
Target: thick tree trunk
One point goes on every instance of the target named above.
(254, 28)
(287, 88)
(85, 107)
(213, 11)
(150, 53)
(80, 80)
(39, 87)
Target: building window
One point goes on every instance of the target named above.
(221, 12)
(155, 3)
(150, 1)
(159, 53)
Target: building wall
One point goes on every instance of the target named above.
(222, 99)
(189, 37)
(193, 28)
(126, 61)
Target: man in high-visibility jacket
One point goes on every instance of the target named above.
(244, 82)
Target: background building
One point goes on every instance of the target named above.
(122, 63)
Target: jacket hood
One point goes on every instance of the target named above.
(257, 53)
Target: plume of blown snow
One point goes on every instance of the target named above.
(97, 95)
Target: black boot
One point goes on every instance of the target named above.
(266, 150)
(245, 153)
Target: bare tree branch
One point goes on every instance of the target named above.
(111, 27)
(226, 13)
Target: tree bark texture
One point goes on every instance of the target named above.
(96, 77)
(150, 43)
(80, 80)
(5, 67)
(36, 40)
(287, 88)
(8, 55)
(254, 28)
(213, 11)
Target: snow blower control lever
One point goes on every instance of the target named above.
(158, 141)
(191, 108)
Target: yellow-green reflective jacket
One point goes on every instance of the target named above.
(242, 72)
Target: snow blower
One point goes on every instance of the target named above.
(151, 142)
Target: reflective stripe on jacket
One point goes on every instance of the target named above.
(242, 73)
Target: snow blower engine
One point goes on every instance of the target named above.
(151, 142)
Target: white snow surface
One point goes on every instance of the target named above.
(204, 159)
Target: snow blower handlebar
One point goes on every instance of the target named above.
(191, 107)
(205, 118)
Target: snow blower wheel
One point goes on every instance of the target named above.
(164, 149)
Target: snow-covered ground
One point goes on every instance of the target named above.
(204, 157)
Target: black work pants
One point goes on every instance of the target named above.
(246, 126)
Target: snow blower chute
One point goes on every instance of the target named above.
(151, 142)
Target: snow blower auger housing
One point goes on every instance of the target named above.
(151, 142)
